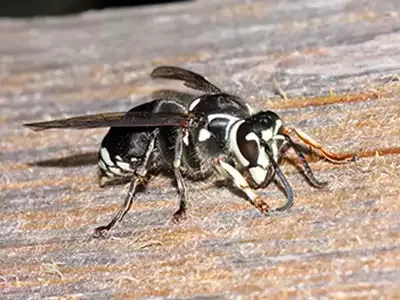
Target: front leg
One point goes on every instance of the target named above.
(240, 182)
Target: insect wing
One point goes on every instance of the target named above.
(81, 122)
(114, 119)
(191, 79)
(194, 81)
(139, 118)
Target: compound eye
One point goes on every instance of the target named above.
(249, 149)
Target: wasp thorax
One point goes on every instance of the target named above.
(254, 137)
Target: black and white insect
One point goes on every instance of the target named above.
(215, 133)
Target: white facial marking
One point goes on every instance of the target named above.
(258, 174)
(234, 146)
(194, 103)
(278, 125)
(274, 145)
(274, 148)
(102, 165)
(124, 166)
(106, 157)
(133, 159)
(267, 134)
(204, 135)
(252, 137)
(263, 159)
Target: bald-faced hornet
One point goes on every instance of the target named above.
(216, 133)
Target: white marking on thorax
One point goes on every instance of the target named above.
(117, 157)
(231, 119)
(204, 135)
(106, 156)
(221, 116)
(234, 146)
(194, 103)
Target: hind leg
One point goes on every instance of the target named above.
(102, 230)
(139, 177)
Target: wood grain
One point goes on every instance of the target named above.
(338, 62)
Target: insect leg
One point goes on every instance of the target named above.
(102, 230)
(307, 170)
(332, 157)
(178, 149)
(181, 212)
(240, 182)
(136, 179)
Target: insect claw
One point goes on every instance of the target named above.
(321, 184)
(261, 205)
(179, 216)
(100, 232)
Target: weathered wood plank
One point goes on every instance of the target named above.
(338, 62)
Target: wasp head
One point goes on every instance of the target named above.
(255, 142)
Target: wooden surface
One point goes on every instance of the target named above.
(339, 63)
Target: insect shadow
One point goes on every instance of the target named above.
(74, 160)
